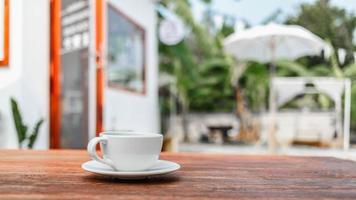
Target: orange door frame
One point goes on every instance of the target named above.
(99, 39)
(55, 70)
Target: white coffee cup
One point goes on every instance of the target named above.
(127, 150)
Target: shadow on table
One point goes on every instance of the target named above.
(151, 180)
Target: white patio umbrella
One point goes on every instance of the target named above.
(270, 42)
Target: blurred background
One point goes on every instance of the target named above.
(228, 76)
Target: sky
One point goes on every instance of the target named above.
(255, 11)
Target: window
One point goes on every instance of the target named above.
(4, 32)
(126, 53)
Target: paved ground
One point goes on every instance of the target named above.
(262, 150)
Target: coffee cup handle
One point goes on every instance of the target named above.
(92, 151)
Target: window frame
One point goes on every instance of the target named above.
(5, 61)
(144, 67)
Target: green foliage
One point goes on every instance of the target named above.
(321, 70)
(205, 74)
(254, 82)
(350, 71)
(328, 22)
(290, 68)
(19, 125)
(335, 25)
(198, 63)
(212, 91)
(22, 129)
(226, 29)
(32, 138)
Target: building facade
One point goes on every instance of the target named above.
(83, 66)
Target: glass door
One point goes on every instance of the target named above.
(70, 25)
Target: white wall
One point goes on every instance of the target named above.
(125, 110)
(2, 27)
(27, 76)
(35, 87)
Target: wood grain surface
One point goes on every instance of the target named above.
(57, 174)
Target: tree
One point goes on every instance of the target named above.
(328, 22)
(198, 63)
(337, 26)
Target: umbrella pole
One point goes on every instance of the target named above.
(272, 140)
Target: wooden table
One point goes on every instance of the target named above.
(58, 175)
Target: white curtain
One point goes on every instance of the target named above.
(286, 89)
(332, 87)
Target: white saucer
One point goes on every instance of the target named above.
(161, 167)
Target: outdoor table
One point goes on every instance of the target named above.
(224, 130)
(57, 174)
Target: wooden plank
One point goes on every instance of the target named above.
(56, 174)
